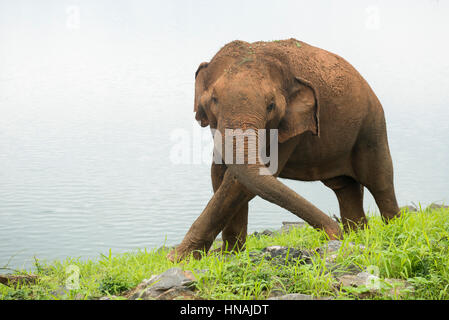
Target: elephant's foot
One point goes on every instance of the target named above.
(230, 247)
(180, 253)
(333, 231)
(183, 251)
(387, 217)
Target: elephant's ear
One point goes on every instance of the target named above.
(200, 116)
(302, 111)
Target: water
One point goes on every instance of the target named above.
(92, 95)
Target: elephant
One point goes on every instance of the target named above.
(331, 128)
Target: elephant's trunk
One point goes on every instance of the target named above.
(267, 186)
(271, 189)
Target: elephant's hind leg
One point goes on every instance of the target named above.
(382, 189)
(350, 199)
(374, 169)
(235, 231)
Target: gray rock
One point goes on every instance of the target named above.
(283, 252)
(338, 270)
(298, 296)
(434, 206)
(275, 250)
(294, 223)
(331, 246)
(358, 280)
(279, 255)
(158, 284)
(293, 296)
(409, 208)
(332, 250)
(287, 226)
(266, 232)
(334, 246)
(178, 293)
(63, 292)
(374, 285)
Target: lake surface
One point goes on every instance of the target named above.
(94, 96)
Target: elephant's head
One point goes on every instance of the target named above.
(252, 87)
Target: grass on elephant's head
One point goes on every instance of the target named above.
(413, 247)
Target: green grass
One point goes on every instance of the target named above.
(414, 247)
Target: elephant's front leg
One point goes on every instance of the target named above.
(235, 231)
(225, 202)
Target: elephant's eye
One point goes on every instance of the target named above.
(271, 107)
(214, 100)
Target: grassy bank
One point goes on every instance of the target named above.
(414, 247)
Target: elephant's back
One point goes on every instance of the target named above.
(335, 79)
(346, 102)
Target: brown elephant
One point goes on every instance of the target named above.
(331, 127)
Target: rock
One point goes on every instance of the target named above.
(278, 254)
(12, 280)
(374, 285)
(332, 250)
(293, 296)
(331, 246)
(357, 280)
(158, 285)
(281, 253)
(275, 250)
(178, 293)
(108, 298)
(409, 208)
(139, 288)
(63, 292)
(298, 296)
(399, 287)
(338, 270)
(334, 246)
(295, 223)
(287, 226)
(266, 232)
(434, 206)
(415, 208)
